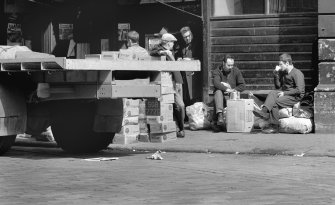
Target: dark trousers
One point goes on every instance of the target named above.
(273, 103)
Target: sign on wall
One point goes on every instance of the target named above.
(123, 29)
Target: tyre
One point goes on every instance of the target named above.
(6, 142)
(72, 127)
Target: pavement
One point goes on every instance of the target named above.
(206, 141)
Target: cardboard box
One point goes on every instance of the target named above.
(156, 108)
(143, 138)
(128, 102)
(162, 127)
(166, 79)
(130, 130)
(239, 115)
(159, 119)
(163, 137)
(167, 98)
(130, 111)
(110, 55)
(167, 90)
(125, 139)
(133, 120)
(143, 126)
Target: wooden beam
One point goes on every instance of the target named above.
(84, 64)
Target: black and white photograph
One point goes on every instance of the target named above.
(169, 102)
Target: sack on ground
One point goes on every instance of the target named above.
(198, 116)
(295, 125)
(260, 122)
(285, 112)
(303, 112)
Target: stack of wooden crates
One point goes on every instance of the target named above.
(159, 112)
(149, 120)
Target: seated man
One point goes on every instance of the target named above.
(227, 78)
(291, 88)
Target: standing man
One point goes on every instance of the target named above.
(134, 47)
(165, 48)
(227, 79)
(187, 51)
(290, 85)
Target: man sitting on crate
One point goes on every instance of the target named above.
(227, 79)
(290, 85)
(165, 48)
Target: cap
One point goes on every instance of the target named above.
(168, 37)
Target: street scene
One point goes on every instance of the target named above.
(50, 176)
(167, 101)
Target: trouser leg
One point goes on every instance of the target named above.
(179, 106)
(281, 102)
(218, 100)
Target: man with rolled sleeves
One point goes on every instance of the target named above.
(290, 85)
(165, 48)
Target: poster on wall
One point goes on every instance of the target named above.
(123, 29)
(14, 34)
(65, 31)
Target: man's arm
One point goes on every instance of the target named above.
(299, 80)
(217, 81)
(276, 77)
(240, 82)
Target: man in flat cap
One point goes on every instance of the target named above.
(165, 48)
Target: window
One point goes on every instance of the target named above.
(243, 7)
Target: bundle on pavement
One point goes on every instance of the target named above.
(198, 116)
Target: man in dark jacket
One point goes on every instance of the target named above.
(165, 48)
(290, 85)
(227, 79)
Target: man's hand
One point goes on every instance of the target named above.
(165, 52)
(229, 90)
(277, 69)
(226, 84)
(280, 94)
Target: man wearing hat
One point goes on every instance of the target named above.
(165, 48)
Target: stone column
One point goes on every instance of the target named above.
(324, 96)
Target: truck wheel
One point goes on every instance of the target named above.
(6, 142)
(72, 127)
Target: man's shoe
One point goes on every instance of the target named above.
(220, 121)
(261, 114)
(270, 130)
(181, 134)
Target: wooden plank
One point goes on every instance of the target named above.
(290, 48)
(81, 76)
(264, 31)
(261, 56)
(326, 6)
(259, 73)
(326, 49)
(139, 91)
(326, 26)
(206, 7)
(82, 64)
(59, 92)
(265, 22)
(266, 65)
(275, 39)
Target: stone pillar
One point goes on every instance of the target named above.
(324, 96)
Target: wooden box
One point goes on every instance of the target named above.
(239, 115)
